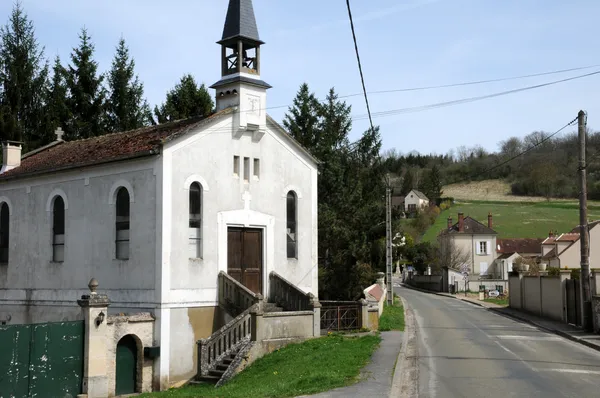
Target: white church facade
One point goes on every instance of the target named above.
(157, 213)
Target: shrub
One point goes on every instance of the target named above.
(575, 274)
(554, 271)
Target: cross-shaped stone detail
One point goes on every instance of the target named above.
(59, 134)
(246, 197)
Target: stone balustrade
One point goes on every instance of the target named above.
(288, 296)
(235, 297)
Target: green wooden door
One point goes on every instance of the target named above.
(44, 360)
(126, 365)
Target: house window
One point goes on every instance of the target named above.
(236, 166)
(122, 224)
(58, 230)
(4, 224)
(292, 218)
(195, 223)
(483, 248)
(246, 169)
(412, 208)
(256, 169)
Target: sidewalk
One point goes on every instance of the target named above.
(375, 379)
(570, 332)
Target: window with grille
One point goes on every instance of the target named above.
(195, 221)
(122, 224)
(292, 225)
(4, 233)
(58, 230)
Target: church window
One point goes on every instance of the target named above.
(246, 169)
(236, 166)
(195, 222)
(4, 231)
(58, 230)
(256, 169)
(292, 215)
(122, 224)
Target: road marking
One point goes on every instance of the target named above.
(543, 338)
(579, 371)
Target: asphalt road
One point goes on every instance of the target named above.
(468, 351)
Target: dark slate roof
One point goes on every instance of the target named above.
(243, 79)
(525, 245)
(420, 194)
(471, 227)
(146, 141)
(240, 22)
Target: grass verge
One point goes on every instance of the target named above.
(392, 317)
(499, 301)
(306, 368)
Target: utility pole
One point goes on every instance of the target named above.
(583, 225)
(388, 239)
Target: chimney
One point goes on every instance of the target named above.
(550, 234)
(461, 222)
(490, 221)
(449, 222)
(11, 155)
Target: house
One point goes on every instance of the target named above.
(510, 250)
(564, 251)
(414, 201)
(162, 216)
(470, 246)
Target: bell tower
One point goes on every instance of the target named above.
(240, 85)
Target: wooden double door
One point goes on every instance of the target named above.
(245, 257)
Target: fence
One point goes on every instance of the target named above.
(541, 295)
(341, 315)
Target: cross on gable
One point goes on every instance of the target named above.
(246, 197)
(59, 134)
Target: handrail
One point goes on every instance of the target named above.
(287, 295)
(223, 342)
(235, 297)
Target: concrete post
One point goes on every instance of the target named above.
(95, 377)
(365, 313)
(316, 307)
(256, 315)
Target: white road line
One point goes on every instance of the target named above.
(542, 338)
(579, 371)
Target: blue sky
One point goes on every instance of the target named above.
(403, 43)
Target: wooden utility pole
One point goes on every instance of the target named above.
(388, 239)
(584, 237)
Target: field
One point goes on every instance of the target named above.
(517, 219)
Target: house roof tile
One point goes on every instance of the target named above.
(420, 194)
(471, 227)
(523, 245)
(64, 155)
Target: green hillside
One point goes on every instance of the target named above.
(515, 219)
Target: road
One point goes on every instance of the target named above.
(468, 351)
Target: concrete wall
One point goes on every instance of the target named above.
(532, 292)
(33, 288)
(514, 287)
(540, 295)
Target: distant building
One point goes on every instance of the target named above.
(414, 201)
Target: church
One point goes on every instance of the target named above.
(155, 215)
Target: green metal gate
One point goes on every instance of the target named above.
(41, 360)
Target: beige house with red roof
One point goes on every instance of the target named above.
(162, 215)
(565, 251)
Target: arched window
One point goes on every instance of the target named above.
(195, 224)
(4, 224)
(292, 221)
(58, 230)
(122, 224)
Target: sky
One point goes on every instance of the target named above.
(402, 43)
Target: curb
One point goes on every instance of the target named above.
(515, 317)
(405, 381)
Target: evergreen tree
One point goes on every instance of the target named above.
(23, 81)
(126, 108)
(56, 110)
(86, 99)
(407, 182)
(185, 100)
(303, 118)
(434, 184)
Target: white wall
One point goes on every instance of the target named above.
(31, 276)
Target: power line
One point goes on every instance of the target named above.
(421, 108)
(470, 83)
(362, 78)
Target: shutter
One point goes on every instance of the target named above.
(478, 247)
(488, 247)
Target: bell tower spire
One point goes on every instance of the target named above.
(240, 84)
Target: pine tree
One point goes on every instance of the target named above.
(302, 120)
(23, 78)
(434, 184)
(56, 112)
(407, 182)
(185, 100)
(126, 108)
(86, 100)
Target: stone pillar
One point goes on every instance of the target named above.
(381, 279)
(365, 313)
(316, 307)
(95, 372)
(256, 314)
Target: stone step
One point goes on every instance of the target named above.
(206, 380)
(223, 367)
(272, 307)
(217, 373)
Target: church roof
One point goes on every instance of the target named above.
(243, 79)
(145, 141)
(240, 22)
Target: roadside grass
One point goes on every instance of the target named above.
(499, 301)
(516, 219)
(392, 317)
(310, 367)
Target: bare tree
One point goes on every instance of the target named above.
(450, 255)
